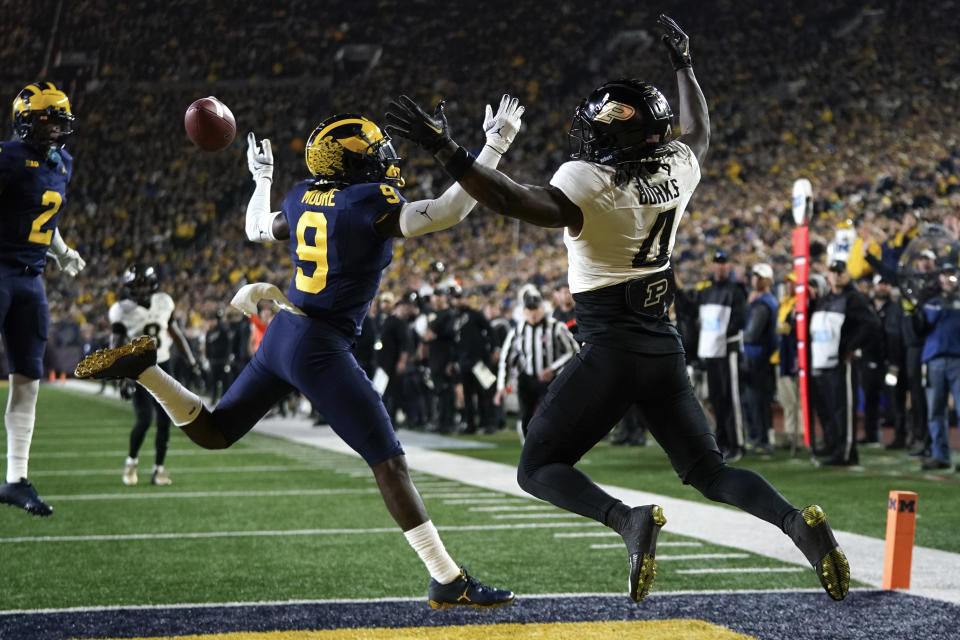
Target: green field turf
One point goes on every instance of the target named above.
(273, 520)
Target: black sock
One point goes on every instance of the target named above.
(617, 517)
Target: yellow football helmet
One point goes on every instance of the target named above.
(350, 149)
(38, 104)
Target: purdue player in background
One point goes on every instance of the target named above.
(340, 225)
(620, 201)
(144, 310)
(34, 172)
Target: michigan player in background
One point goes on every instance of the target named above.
(620, 201)
(340, 225)
(34, 172)
(145, 310)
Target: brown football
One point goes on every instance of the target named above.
(210, 124)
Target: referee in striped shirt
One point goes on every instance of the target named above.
(535, 350)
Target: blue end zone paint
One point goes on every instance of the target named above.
(866, 615)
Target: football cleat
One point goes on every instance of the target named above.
(22, 494)
(127, 361)
(640, 535)
(160, 477)
(130, 474)
(465, 591)
(814, 537)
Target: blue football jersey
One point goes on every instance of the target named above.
(32, 193)
(338, 256)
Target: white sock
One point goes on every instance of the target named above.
(19, 420)
(182, 405)
(426, 542)
(19, 436)
(131, 461)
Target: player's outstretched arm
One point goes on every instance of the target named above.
(426, 216)
(67, 259)
(545, 207)
(262, 224)
(694, 118)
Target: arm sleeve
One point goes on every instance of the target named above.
(259, 223)
(426, 216)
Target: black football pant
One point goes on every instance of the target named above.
(592, 394)
(835, 402)
(144, 409)
(874, 387)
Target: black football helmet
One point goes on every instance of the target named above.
(623, 121)
(140, 281)
(350, 149)
(39, 104)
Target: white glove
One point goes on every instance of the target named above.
(248, 296)
(502, 128)
(259, 160)
(68, 261)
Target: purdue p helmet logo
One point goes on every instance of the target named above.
(613, 110)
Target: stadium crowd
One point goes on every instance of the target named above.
(861, 100)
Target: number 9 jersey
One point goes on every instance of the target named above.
(338, 255)
(32, 192)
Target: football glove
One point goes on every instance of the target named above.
(405, 118)
(68, 261)
(259, 159)
(676, 42)
(502, 128)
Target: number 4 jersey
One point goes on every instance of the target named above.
(619, 263)
(32, 192)
(628, 231)
(338, 255)
(153, 321)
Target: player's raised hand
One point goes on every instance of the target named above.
(501, 129)
(405, 118)
(676, 42)
(259, 158)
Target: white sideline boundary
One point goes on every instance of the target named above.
(935, 573)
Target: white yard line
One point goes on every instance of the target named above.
(739, 570)
(281, 532)
(935, 573)
(179, 495)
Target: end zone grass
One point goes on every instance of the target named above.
(271, 520)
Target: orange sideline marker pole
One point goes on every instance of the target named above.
(901, 524)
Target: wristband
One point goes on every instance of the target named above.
(458, 165)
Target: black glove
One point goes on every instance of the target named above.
(127, 389)
(405, 118)
(676, 42)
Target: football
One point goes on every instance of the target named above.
(210, 124)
